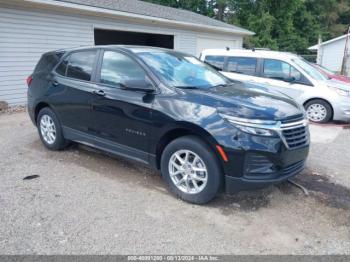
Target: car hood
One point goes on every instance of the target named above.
(239, 100)
(338, 84)
(344, 79)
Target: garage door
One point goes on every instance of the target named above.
(209, 43)
(113, 37)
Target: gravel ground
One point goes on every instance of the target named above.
(85, 202)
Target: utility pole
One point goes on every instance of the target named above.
(345, 57)
(319, 54)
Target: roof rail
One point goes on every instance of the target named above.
(260, 49)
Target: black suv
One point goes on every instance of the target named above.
(170, 111)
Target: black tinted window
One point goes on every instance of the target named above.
(62, 67)
(242, 65)
(47, 62)
(118, 68)
(80, 65)
(216, 61)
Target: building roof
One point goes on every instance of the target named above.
(315, 47)
(158, 11)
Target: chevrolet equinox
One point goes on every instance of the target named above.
(168, 110)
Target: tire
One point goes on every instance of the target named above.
(318, 111)
(194, 148)
(47, 122)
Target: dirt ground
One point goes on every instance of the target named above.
(80, 201)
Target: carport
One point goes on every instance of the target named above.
(113, 37)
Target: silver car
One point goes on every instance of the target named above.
(323, 99)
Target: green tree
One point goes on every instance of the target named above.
(288, 25)
(198, 6)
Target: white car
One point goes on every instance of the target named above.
(323, 99)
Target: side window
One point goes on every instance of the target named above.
(280, 70)
(242, 65)
(80, 65)
(118, 68)
(47, 62)
(62, 67)
(215, 61)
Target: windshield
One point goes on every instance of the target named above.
(310, 70)
(182, 71)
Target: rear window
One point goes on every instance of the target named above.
(215, 61)
(242, 65)
(47, 62)
(78, 65)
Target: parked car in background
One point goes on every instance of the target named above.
(330, 74)
(324, 99)
(170, 111)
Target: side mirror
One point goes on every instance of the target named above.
(138, 85)
(290, 79)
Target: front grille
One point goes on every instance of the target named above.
(296, 134)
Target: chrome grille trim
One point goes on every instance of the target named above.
(291, 125)
(295, 134)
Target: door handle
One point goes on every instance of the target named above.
(52, 79)
(99, 92)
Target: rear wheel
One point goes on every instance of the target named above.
(50, 131)
(318, 111)
(191, 170)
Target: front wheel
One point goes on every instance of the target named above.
(191, 170)
(318, 111)
(50, 131)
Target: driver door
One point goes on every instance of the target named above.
(122, 117)
(281, 77)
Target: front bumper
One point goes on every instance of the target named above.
(254, 169)
(342, 109)
(236, 184)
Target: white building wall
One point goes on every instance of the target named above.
(332, 55)
(25, 35)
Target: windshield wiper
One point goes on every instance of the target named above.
(187, 87)
(221, 85)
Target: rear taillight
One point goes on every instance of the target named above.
(29, 80)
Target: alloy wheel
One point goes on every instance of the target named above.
(188, 171)
(48, 129)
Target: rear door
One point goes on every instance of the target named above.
(241, 68)
(71, 93)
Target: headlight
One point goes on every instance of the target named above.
(253, 126)
(341, 92)
(256, 130)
